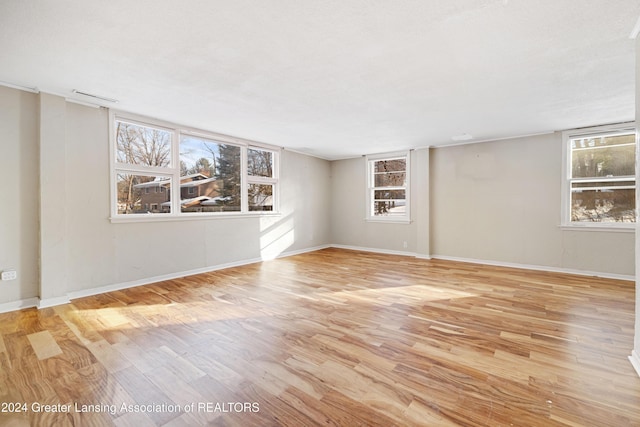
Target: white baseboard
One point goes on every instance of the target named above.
(494, 263)
(52, 302)
(537, 267)
(375, 250)
(147, 281)
(635, 361)
(302, 251)
(19, 304)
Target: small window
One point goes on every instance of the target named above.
(142, 145)
(261, 179)
(260, 197)
(600, 186)
(260, 163)
(388, 188)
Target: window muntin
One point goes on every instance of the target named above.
(214, 174)
(388, 188)
(601, 178)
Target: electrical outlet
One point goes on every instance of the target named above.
(404, 245)
(9, 275)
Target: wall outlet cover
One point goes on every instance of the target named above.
(9, 275)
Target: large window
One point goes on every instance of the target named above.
(388, 188)
(600, 173)
(162, 169)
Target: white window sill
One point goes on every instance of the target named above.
(187, 217)
(389, 221)
(627, 228)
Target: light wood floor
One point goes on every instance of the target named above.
(331, 338)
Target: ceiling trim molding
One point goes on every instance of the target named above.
(20, 87)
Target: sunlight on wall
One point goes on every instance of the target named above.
(276, 236)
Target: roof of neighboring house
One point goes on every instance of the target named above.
(190, 202)
(215, 200)
(195, 183)
(166, 181)
(193, 202)
(155, 183)
(194, 175)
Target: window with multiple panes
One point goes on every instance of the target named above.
(388, 188)
(261, 179)
(600, 187)
(158, 168)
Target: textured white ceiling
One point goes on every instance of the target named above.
(335, 78)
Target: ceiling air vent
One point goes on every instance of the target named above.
(90, 95)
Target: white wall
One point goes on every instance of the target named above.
(55, 196)
(102, 253)
(19, 193)
(495, 201)
(82, 249)
(348, 209)
(500, 201)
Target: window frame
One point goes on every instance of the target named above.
(567, 180)
(371, 188)
(173, 170)
(257, 180)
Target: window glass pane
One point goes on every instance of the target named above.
(603, 204)
(390, 173)
(260, 197)
(259, 163)
(390, 179)
(142, 145)
(137, 194)
(603, 156)
(209, 176)
(389, 202)
(392, 165)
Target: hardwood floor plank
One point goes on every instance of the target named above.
(146, 394)
(44, 345)
(334, 338)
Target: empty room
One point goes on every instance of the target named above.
(338, 213)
